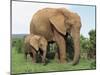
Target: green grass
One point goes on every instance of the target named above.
(20, 65)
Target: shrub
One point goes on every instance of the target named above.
(18, 44)
(93, 64)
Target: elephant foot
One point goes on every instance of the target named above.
(63, 57)
(45, 62)
(75, 63)
(58, 60)
(63, 61)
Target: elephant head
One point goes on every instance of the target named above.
(39, 43)
(27, 48)
(67, 21)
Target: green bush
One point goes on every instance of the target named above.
(18, 44)
(93, 64)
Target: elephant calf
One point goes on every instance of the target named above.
(36, 44)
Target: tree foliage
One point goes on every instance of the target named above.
(18, 44)
(92, 35)
(88, 45)
(84, 43)
(92, 43)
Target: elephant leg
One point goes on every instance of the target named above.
(44, 57)
(33, 55)
(61, 45)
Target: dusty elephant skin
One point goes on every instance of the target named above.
(53, 24)
(35, 44)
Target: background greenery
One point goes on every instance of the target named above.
(87, 61)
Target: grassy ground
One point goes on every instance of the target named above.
(19, 65)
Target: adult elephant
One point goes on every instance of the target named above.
(53, 24)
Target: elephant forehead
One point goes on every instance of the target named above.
(27, 38)
(46, 11)
(34, 43)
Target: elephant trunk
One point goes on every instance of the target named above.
(76, 41)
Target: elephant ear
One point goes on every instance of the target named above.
(58, 22)
(34, 42)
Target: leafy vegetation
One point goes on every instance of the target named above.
(88, 45)
(20, 65)
(18, 43)
(87, 61)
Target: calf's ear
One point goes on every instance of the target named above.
(34, 42)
